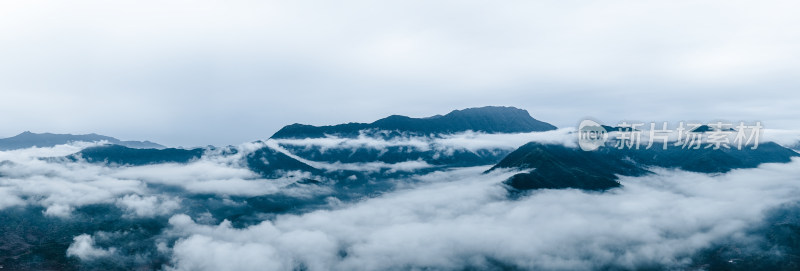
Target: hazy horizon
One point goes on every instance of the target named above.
(207, 72)
(671, 123)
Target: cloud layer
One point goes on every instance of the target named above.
(463, 220)
(33, 177)
(215, 214)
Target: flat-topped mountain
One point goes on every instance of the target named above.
(490, 119)
(28, 140)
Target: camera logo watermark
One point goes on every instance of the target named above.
(591, 135)
(717, 135)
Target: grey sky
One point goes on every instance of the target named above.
(225, 72)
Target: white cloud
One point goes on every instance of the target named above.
(787, 138)
(84, 248)
(208, 176)
(481, 141)
(362, 141)
(366, 167)
(58, 210)
(205, 253)
(55, 151)
(8, 198)
(449, 220)
(464, 219)
(444, 145)
(469, 140)
(148, 206)
(60, 186)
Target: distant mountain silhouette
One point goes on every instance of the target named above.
(121, 155)
(490, 119)
(617, 128)
(706, 129)
(556, 166)
(28, 140)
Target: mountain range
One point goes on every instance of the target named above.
(29, 140)
(557, 166)
(361, 153)
(304, 169)
(490, 119)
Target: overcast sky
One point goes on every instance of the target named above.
(225, 72)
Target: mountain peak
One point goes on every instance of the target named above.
(486, 110)
(489, 119)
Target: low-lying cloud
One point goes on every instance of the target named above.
(464, 220)
(34, 177)
(84, 248)
(148, 206)
(469, 140)
(444, 220)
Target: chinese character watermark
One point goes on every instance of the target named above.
(717, 135)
